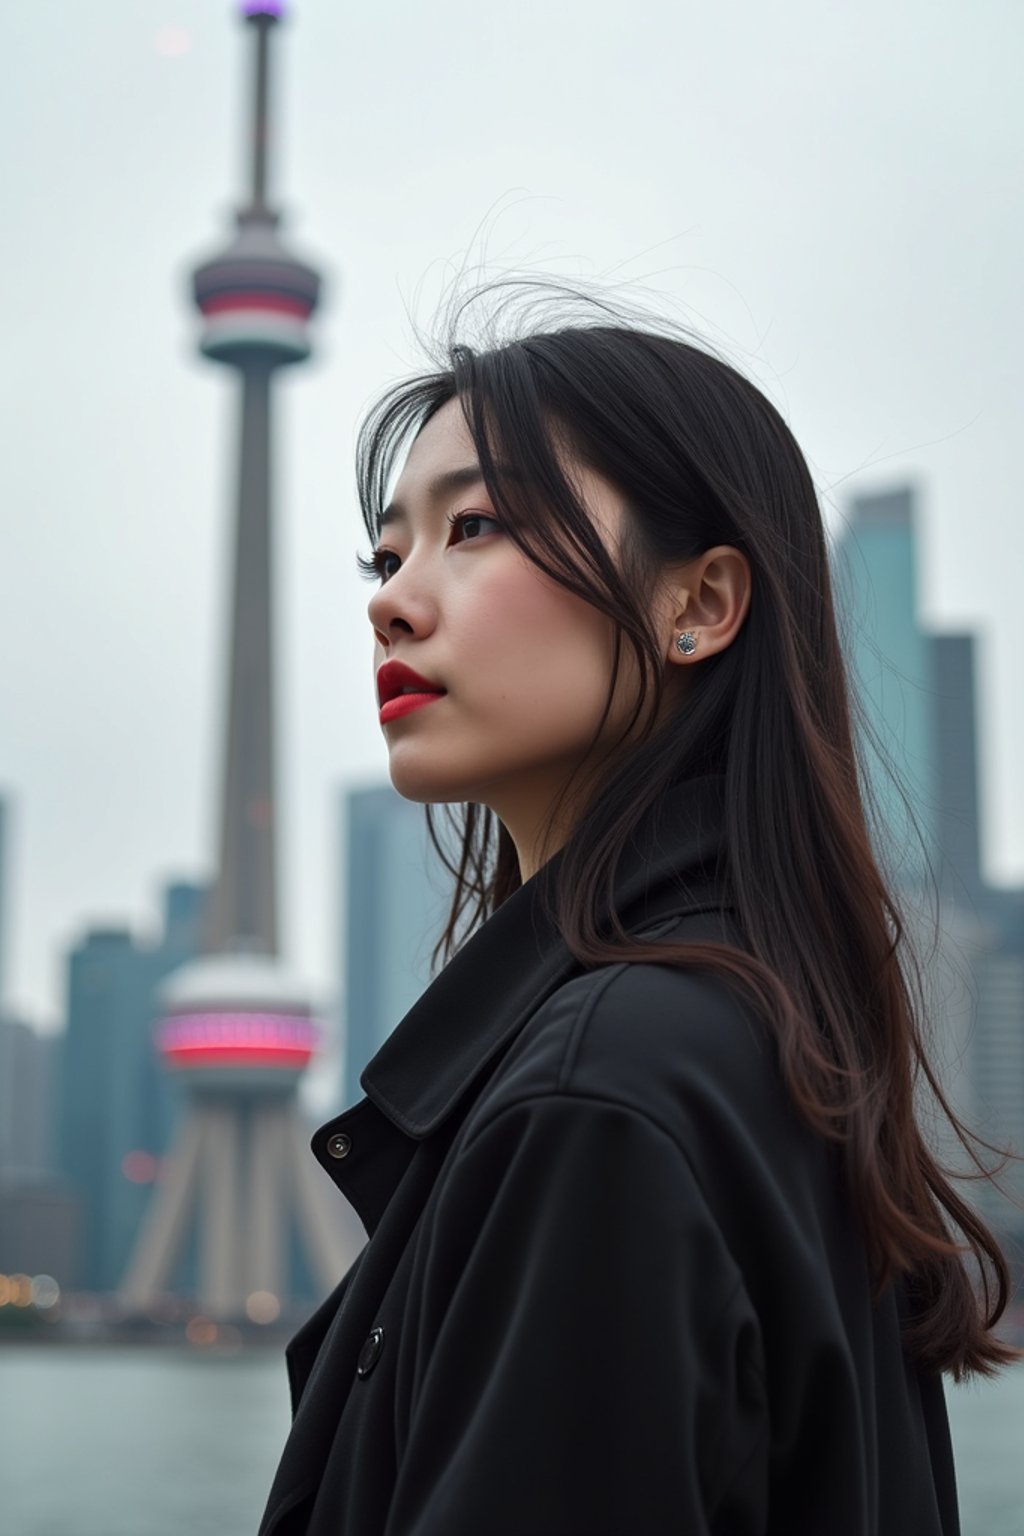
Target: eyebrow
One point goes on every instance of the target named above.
(441, 485)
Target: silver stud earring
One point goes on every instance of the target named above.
(686, 642)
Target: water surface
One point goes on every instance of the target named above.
(147, 1442)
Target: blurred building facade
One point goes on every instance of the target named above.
(892, 663)
(956, 744)
(39, 1216)
(918, 693)
(116, 1109)
(396, 895)
(28, 1075)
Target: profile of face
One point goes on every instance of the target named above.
(525, 665)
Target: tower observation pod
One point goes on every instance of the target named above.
(236, 1024)
(236, 1030)
(255, 298)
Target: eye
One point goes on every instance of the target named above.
(469, 524)
(378, 568)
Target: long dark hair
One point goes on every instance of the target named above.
(701, 457)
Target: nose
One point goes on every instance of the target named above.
(401, 607)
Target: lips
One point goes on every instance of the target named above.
(395, 678)
(401, 690)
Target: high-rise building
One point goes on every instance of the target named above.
(891, 671)
(116, 1109)
(997, 1073)
(106, 1057)
(237, 1031)
(956, 738)
(39, 1214)
(918, 694)
(396, 899)
(28, 1074)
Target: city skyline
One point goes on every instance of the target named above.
(841, 268)
(114, 1115)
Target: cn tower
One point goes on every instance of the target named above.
(237, 1030)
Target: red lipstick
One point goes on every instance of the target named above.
(401, 690)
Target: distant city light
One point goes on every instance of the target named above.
(40, 1291)
(262, 1307)
(45, 1292)
(201, 1331)
(139, 1167)
(15, 1291)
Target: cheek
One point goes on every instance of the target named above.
(530, 639)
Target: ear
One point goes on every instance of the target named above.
(708, 597)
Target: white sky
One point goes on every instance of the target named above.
(831, 192)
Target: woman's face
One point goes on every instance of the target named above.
(524, 664)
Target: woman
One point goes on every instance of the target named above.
(655, 1243)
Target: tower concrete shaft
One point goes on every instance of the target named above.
(243, 902)
(256, 300)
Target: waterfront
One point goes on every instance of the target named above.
(138, 1442)
(146, 1442)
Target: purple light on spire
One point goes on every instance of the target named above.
(262, 7)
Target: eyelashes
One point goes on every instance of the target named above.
(375, 568)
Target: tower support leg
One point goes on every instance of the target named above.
(159, 1242)
(267, 1229)
(220, 1240)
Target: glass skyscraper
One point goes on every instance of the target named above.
(116, 1108)
(892, 670)
(396, 899)
(918, 694)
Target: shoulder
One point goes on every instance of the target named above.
(684, 1050)
(655, 1038)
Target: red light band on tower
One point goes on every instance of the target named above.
(279, 302)
(237, 1032)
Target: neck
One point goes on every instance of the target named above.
(538, 816)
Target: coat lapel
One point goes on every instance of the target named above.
(485, 994)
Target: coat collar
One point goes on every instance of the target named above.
(478, 1003)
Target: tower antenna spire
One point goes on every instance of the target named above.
(263, 15)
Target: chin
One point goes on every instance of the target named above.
(414, 782)
(436, 777)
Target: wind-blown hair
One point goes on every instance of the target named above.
(701, 457)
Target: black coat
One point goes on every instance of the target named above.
(611, 1286)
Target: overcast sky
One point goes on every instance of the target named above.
(831, 193)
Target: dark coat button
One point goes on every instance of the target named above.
(338, 1145)
(370, 1352)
